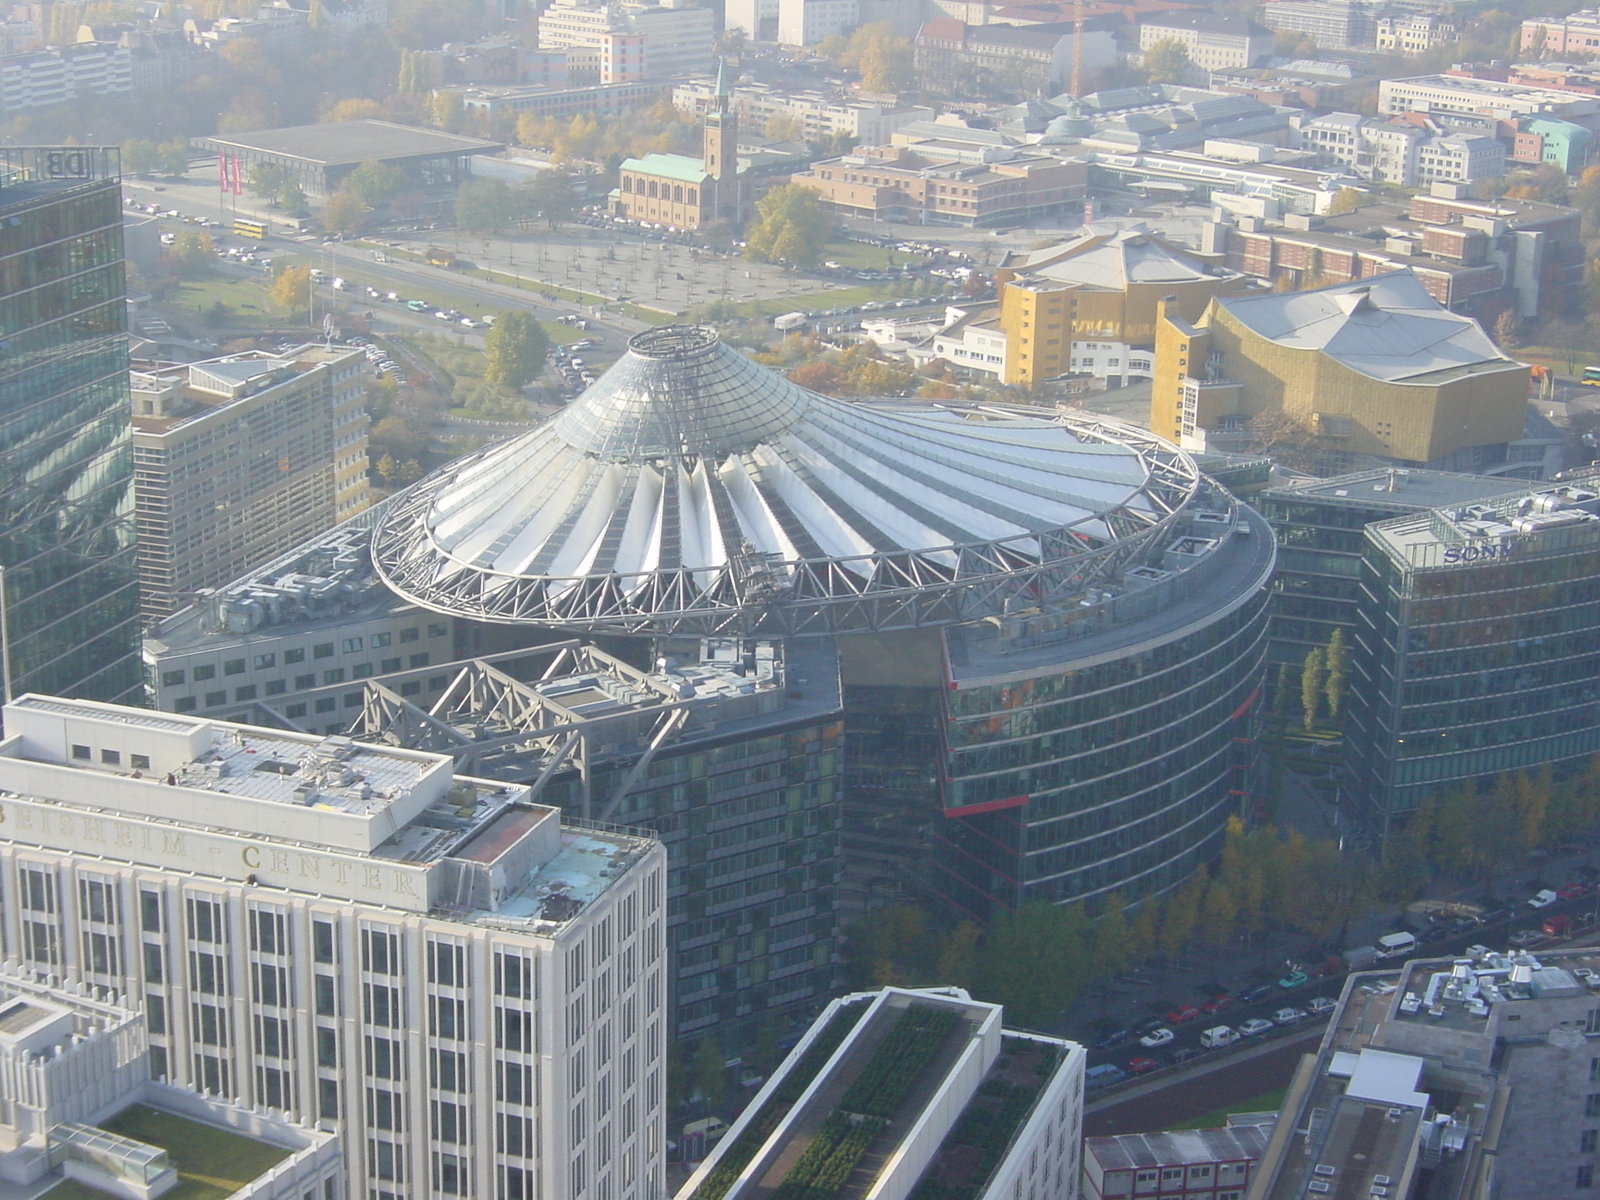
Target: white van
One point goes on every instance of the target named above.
(1218, 1036)
(712, 1127)
(1393, 945)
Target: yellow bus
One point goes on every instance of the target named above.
(250, 229)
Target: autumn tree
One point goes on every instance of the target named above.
(1334, 665)
(1311, 683)
(291, 290)
(266, 180)
(1284, 438)
(883, 59)
(343, 212)
(1034, 960)
(1167, 61)
(192, 253)
(957, 963)
(516, 347)
(1346, 200)
(374, 183)
(790, 227)
(485, 205)
(552, 195)
(352, 108)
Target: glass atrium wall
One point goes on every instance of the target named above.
(1117, 777)
(66, 467)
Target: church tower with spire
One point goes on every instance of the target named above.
(721, 151)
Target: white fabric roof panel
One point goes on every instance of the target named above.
(687, 457)
(1386, 327)
(1111, 256)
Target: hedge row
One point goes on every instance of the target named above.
(828, 1162)
(737, 1156)
(899, 1059)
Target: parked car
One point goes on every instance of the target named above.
(1157, 1037)
(1140, 1028)
(1573, 890)
(1462, 925)
(1114, 1037)
(1217, 1003)
(1542, 898)
(1319, 1005)
(1254, 1027)
(1103, 1076)
(1184, 1012)
(1294, 979)
(1527, 937)
(1494, 916)
(1559, 925)
(1432, 934)
(1142, 1066)
(1259, 992)
(1288, 1016)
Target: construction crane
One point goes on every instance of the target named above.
(1077, 49)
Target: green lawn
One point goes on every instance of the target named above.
(808, 301)
(1265, 1102)
(211, 1163)
(246, 297)
(860, 257)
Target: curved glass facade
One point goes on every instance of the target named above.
(66, 458)
(1118, 774)
(1470, 667)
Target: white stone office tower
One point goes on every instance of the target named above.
(466, 988)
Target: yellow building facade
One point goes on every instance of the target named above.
(1374, 368)
(1090, 304)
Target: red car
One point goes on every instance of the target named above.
(1559, 926)
(1141, 1066)
(1217, 1003)
(1184, 1012)
(1572, 891)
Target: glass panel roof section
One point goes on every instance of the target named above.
(688, 470)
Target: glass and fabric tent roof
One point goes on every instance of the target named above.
(693, 489)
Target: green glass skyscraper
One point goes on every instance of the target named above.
(69, 599)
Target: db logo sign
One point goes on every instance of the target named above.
(68, 164)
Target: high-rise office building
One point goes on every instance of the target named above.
(464, 986)
(240, 459)
(70, 591)
(1478, 648)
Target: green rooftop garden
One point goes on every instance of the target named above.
(868, 1107)
(738, 1155)
(975, 1146)
(211, 1163)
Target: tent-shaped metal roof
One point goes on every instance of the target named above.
(693, 489)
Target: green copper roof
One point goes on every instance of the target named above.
(669, 166)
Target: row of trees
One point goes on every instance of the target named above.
(1038, 958)
(1472, 832)
(1322, 681)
